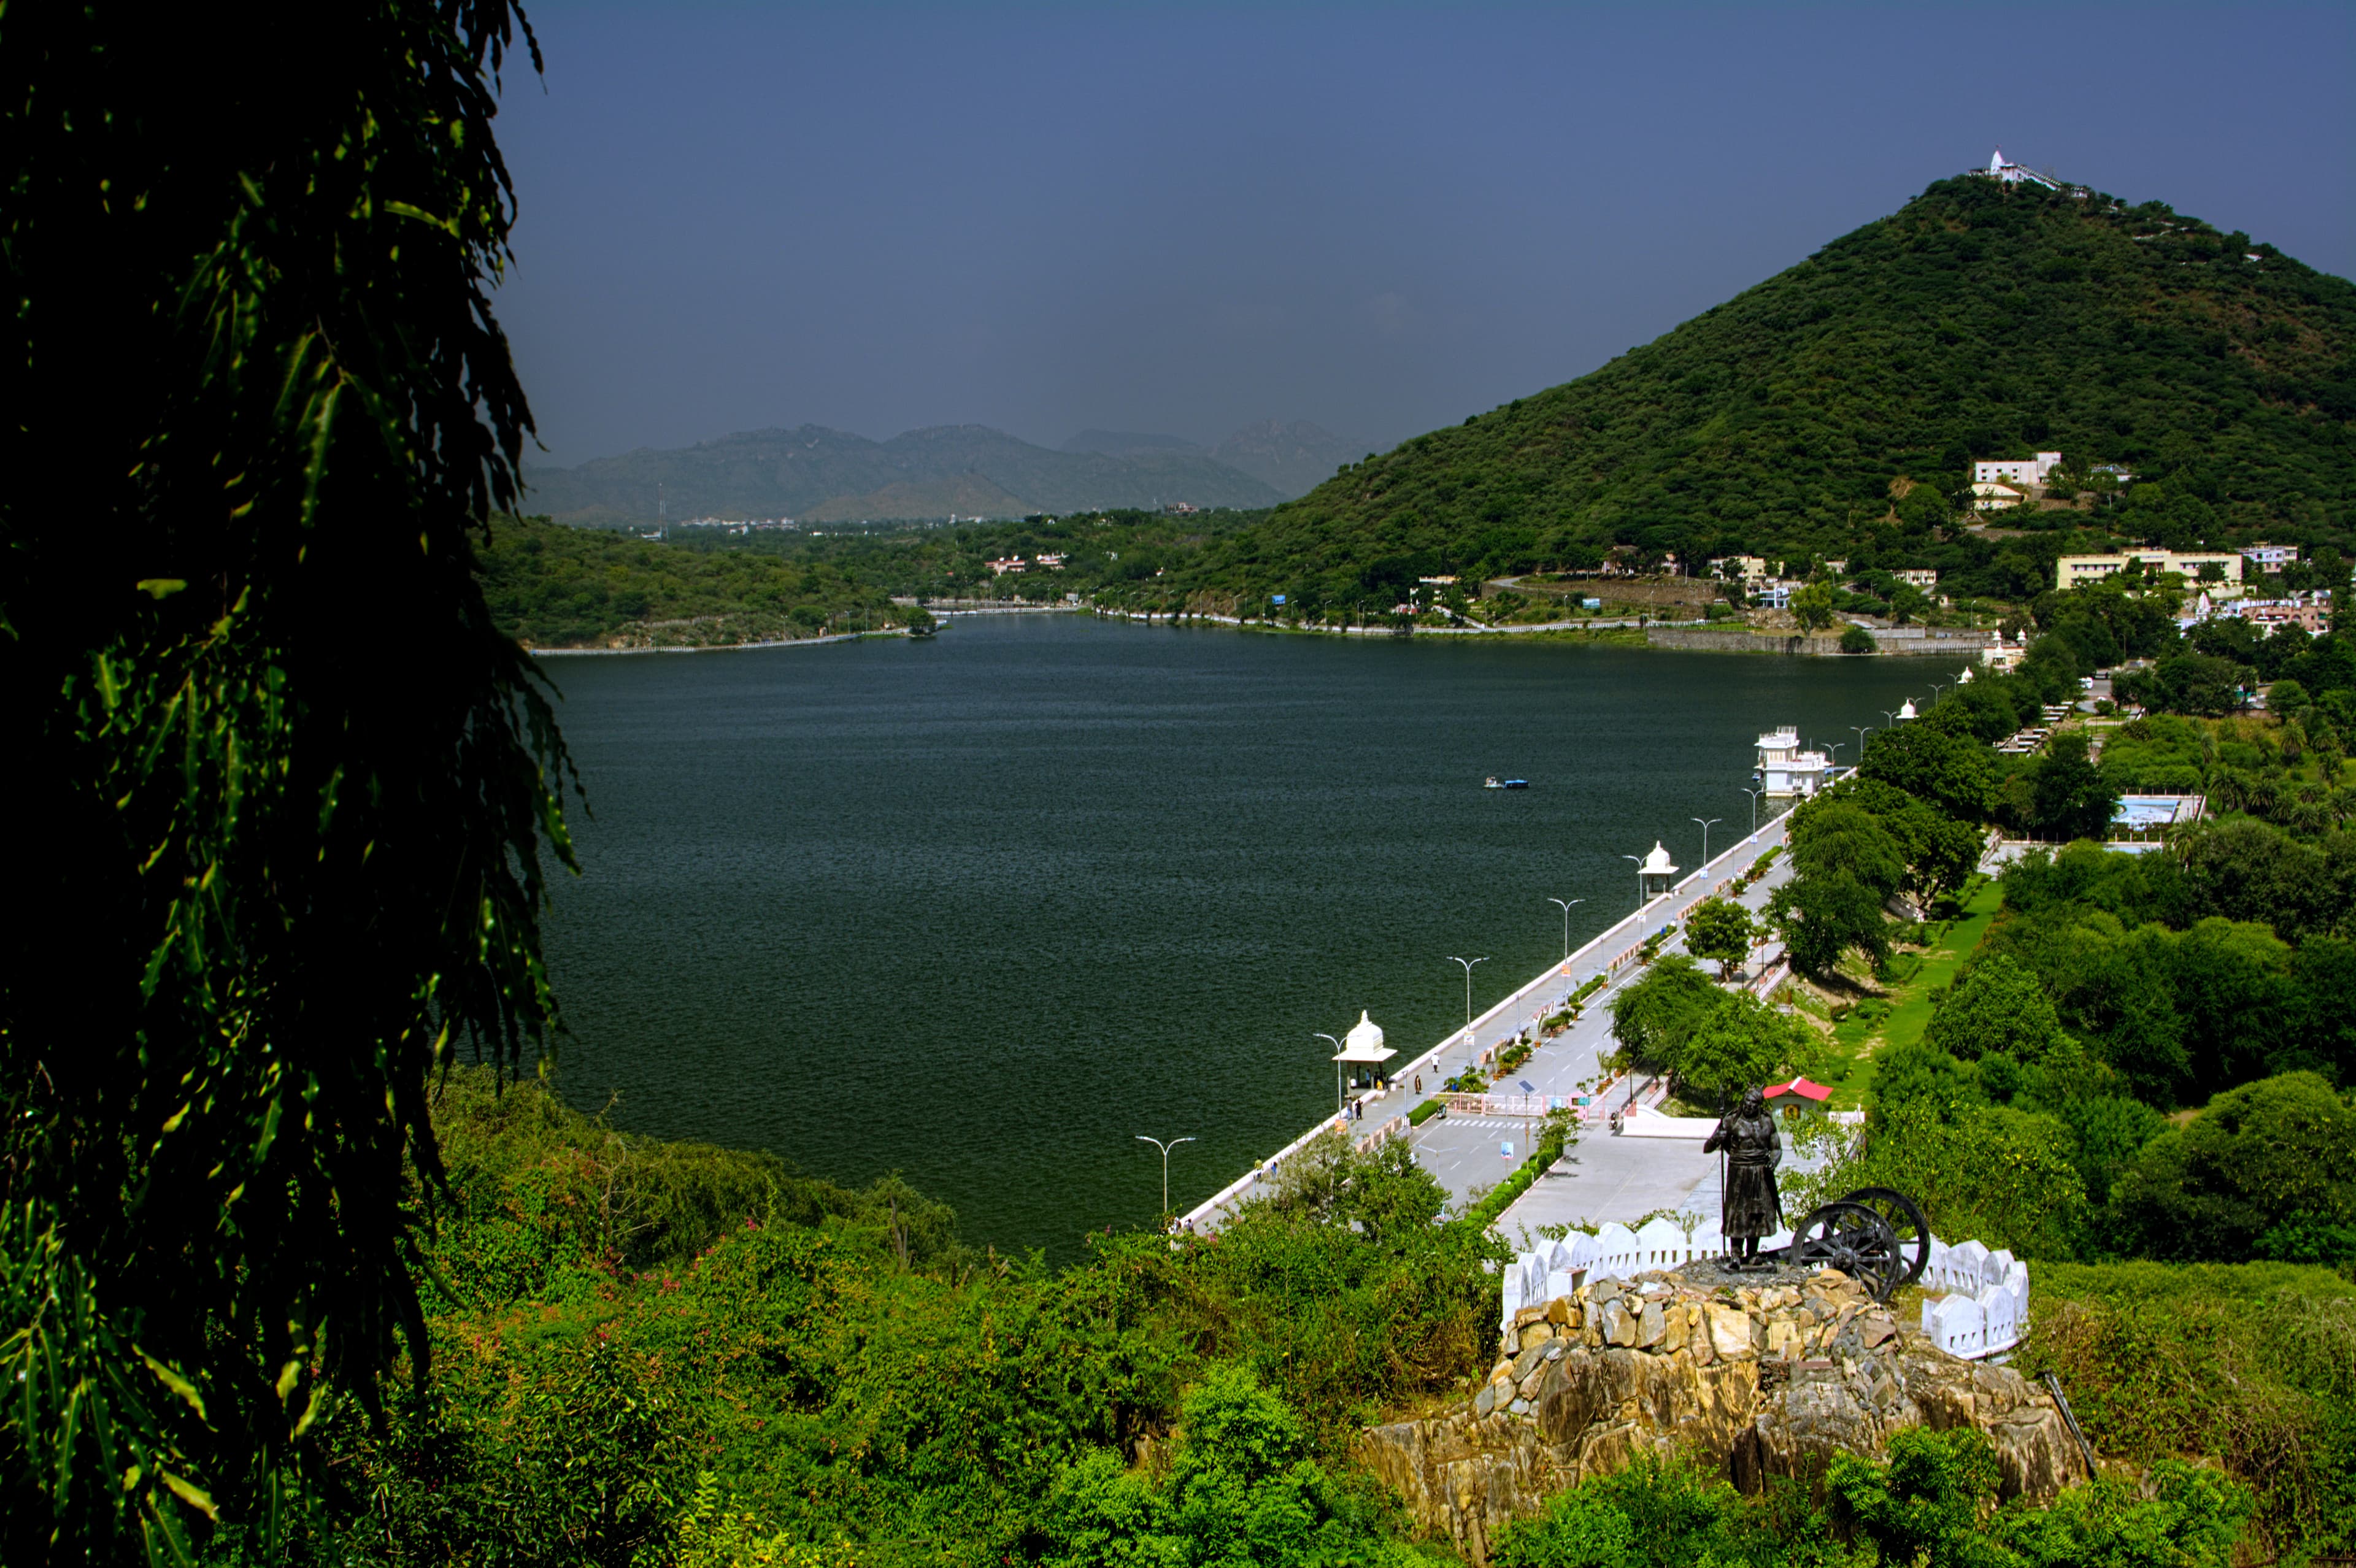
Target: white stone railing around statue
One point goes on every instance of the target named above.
(1983, 1310)
(1986, 1310)
(1558, 1267)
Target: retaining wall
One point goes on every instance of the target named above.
(1895, 643)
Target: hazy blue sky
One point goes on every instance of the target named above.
(1181, 218)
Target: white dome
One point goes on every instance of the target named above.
(1366, 1035)
(1657, 864)
(1964, 679)
(1906, 709)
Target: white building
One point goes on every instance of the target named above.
(1785, 768)
(2000, 656)
(2071, 569)
(1918, 577)
(1987, 495)
(2006, 172)
(2016, 470)
(1748, 567)
(2270, 559)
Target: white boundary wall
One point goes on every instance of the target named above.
(1984, 1312)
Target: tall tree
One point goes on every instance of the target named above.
(289, 791)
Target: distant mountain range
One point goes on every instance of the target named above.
(1290, 459)
(817, 474)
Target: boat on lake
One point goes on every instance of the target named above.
(1493, 782)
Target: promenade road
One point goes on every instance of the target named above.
(1466, 1157)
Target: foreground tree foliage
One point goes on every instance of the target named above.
(282, 867)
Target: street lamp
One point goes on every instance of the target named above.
(1892, 715)
(1566, 923)
(1165, 1149)
(1468, 963)
(1340, 1094)
(1754, 795)
(1862, 731)
(1707, 822)
(1640, 893)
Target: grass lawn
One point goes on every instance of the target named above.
(1858, 1041)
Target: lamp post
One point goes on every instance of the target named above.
(1754, 795)
(1862, 731)
(1707, 822)
(1565, 923)
(1165, 1149)
(1340, 1094)
(1469, 1042)
(1640, 893)
(1892, 715)
(1937, 689)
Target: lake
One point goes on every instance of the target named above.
(983, 908)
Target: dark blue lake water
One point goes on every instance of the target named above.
(983, 908)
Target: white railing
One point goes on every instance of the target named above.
(1985, 1311)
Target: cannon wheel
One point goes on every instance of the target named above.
(1854, 1239)
(1904, 1219)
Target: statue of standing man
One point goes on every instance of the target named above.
(1749, 1207)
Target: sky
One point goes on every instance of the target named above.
(1179, 218)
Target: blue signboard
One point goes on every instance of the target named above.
(1277, 598)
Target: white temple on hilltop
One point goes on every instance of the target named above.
(2007, 173)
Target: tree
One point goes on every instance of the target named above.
(1837, 837)
(2190, 683)
(286, 874)
(2268, 1170)
(1953, 772)
(1906, 602)
(1720, 929)
(1858, 640)
(1823, 917)
(1813, 607)
(2070, 798)
(1995, 1007)
(1742, 1044)
(1654, 1016)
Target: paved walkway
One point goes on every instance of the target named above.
(1605, 1178)
(1466, 1153)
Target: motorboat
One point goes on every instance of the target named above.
(1493, 782)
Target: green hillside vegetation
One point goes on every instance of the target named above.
(665, 1353)
(1833, 410)
(556, 587)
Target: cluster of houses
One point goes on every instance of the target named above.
(1766, 585)
(1015, 563)
(2227, 592)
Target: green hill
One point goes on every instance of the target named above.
(1977, 321)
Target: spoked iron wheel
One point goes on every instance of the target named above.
(1857, 1241)
(1905, 1220)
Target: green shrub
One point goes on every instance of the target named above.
(1423, 1113)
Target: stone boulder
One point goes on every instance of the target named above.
(1765, 1381)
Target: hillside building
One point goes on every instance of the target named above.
(2270, 559)
(1987, 495)
(1748, 567)
(2015, 470)
(1918, 577)
(2004, 171)
(2072, 570)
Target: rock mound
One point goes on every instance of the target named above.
(1768, 1379)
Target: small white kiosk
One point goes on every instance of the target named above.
(1654, 875)
(1362, 1051)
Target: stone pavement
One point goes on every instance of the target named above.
(1606, 1178)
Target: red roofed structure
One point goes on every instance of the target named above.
(1800, 1087)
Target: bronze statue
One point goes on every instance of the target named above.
(1750, 1205)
